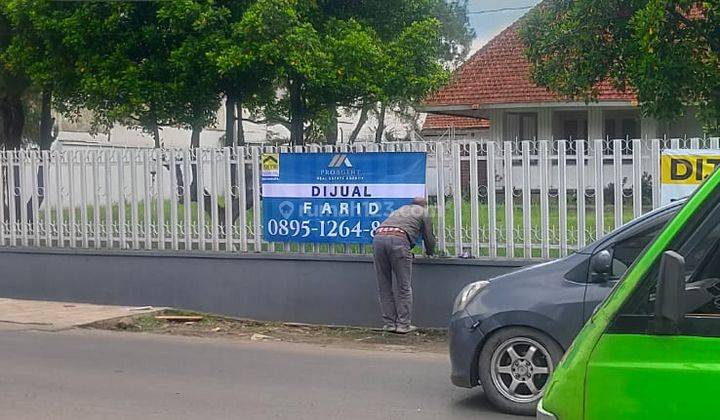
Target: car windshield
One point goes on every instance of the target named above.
(669, 209)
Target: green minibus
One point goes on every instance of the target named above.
(652, 349)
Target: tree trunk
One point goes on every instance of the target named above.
(297, 113)
(195, 144)
(240, 129)
(153, 126)
(230, 116)
(236, 201)
(331, 131)
(381, 124)
(46, 121)
(19, 185)
(3, 185)
(156, 136)
(195, 137)
(180, 182)
(360, 124)
(13, 119)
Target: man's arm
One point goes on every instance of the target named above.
(428, 235)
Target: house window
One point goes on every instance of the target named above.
(630, 128)
(521, 126)
(610, 128)
(621, 127)
(575, 129)
(571, 126)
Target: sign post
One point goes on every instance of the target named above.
(336, 198)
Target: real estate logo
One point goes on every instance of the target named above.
(339, 161)
(270, 165)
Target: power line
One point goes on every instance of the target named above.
(504, 9)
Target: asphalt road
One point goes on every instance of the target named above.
(82, 374)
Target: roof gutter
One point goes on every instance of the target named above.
(479, 111)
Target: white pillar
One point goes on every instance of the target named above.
(650, 128)
(545, 128)
(596, 124)
(497, 124)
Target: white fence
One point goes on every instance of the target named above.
(511, 199)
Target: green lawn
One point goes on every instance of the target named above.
(519, 224)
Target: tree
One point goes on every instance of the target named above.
(412, 75)
(667, 51)
(14, 83)
(315, 59)
(442, 33)
(196, 27)
(35, 64)
(122, 59)
(38, 51)
(327, 55)
(457, 34)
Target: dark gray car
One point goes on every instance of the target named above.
(509, 333)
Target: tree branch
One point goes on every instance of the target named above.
(695, 27)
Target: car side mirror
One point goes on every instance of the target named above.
(601, 267)
(670, 292)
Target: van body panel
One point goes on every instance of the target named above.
(572, 394)
(653, 377)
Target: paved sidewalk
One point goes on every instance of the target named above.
(56, 316)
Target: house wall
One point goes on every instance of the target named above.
(601, 122)
(79, 131)
(687, 126)
(452, 134)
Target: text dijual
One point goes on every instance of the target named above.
(341, 191)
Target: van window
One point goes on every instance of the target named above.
(700, 246)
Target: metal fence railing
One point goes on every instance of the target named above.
(528, 199)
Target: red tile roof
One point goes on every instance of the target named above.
(697, 13)
(437, 121)
(499, 73)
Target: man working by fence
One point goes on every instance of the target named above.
(391, 250)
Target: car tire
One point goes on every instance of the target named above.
(512, 374)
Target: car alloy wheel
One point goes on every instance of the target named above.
(520, 368)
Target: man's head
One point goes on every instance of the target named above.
(420, 201)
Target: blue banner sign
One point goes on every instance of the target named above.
(336, 198)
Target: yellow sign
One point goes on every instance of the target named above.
(270, 165)
(688, 169)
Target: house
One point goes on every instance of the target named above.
(494, 86)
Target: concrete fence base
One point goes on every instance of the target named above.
(329, 290)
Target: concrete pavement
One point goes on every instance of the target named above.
(55, 316)
(81, 374)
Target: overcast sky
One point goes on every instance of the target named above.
(488, 25)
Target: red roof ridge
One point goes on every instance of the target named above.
(499, 73)
(440, 121)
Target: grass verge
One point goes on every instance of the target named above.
(423, 341)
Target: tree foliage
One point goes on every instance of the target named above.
(667, 51)
(293, 62)
(14, 86)
(328, 55)
(143, 63)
